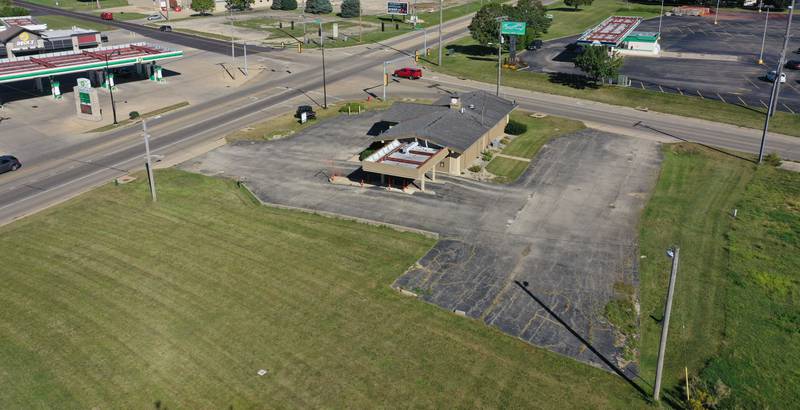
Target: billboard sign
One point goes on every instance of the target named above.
(514, 28)
(397, 7)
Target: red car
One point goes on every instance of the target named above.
(408, 72)
(107, 15)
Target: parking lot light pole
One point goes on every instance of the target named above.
(148, 162)
(111, 88)
(764, 37)
(324, 82)
(776, 84)
(233, 49)
(660, 16)
(716, 13)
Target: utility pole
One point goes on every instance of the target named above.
(665, 323)
(716, 13)
(233, 47)
(324, 83)
(776, 84)
(764, 37)
(440, 32)
(660, 16)
(244, 47)
(149, 163)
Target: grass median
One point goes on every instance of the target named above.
(112, 301)
(63, 22)
(82, 5)
(735, 314)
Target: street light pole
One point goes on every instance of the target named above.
(764, 37)
(111, 88)
(149, 163)
(244, 47)
(665, 323)
(776, 84)
(324, 82)
(440, 32)
(660, 16)
(716, 13)
(499, 61)
(233, 48)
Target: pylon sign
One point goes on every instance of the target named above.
(87, 104)
(514, 28)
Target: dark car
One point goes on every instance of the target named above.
(793, 64)
(535, 45)
(408, 72)
(310, 114)
(9, 163)
(165, 28)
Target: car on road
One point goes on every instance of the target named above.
(535, 45)
(772, 75)
(408, 72)
(107, 15)
(310, 114)
(166, 29)
(9, 163)
(793, 64)
(154, 17)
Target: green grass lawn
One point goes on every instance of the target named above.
(528, 144)
(63, 22)
(83, 5)
(735, 313)
(110, 301)
(473, 61)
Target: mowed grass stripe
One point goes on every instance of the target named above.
(192, 295)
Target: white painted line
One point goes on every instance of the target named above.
(751, 82)
(642, 84)
(740, 99)
(701, 95)
(659, 87)
(787, 107)
(679, 90)
(720, 97)
(762, 103)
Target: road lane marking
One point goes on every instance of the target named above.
(787, 107)
(762, 103)
(720, 97)
(740, 99)
(701, 95)
(659, 87)
(679, 90)
(751, 82)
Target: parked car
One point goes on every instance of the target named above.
(154, 17)
(774, 74)
(535, 45)
(9, 163)
(408, 72)
(793, 64)
(107, 15)
(165, 29)
(310, 114)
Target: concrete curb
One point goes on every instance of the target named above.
(365, 221)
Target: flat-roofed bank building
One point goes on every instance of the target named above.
(419, 140)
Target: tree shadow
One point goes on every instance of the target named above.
(471, 50)
(568, 9)
(576, 81)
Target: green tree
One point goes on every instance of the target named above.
(202, 6)
(276, 5)
(288, 4)
(485, 28)
(318, 6)
(239, 4)
(598, 63)
(351, 8)
(578, 3)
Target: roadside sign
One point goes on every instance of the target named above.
(515, 28)
(397, 7)
(303, 117)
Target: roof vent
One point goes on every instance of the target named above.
(461, 110)
(472, 106)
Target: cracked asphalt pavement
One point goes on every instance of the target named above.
(567, 227)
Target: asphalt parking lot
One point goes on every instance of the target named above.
(567, 227)
(737, 35)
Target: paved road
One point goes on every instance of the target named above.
(186, 40)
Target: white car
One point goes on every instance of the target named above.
(154, 17)
(772, 74)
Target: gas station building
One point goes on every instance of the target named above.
(618, 34)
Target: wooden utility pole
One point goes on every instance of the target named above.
(665, 323)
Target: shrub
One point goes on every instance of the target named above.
(475, 168)
(773, 159)
(353, 108)
(288, 4)
(487, 155)
(515, 128)
(276, 5)
(351, 8)
(318, 6)
(11, 11)
(133, 115)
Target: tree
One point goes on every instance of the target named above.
(238, 4)
(578, 3)
(351, 8)
(202, 6)
(486, 29)
(288, 4)
(318, 6)
(598, 64)
(276, 5)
